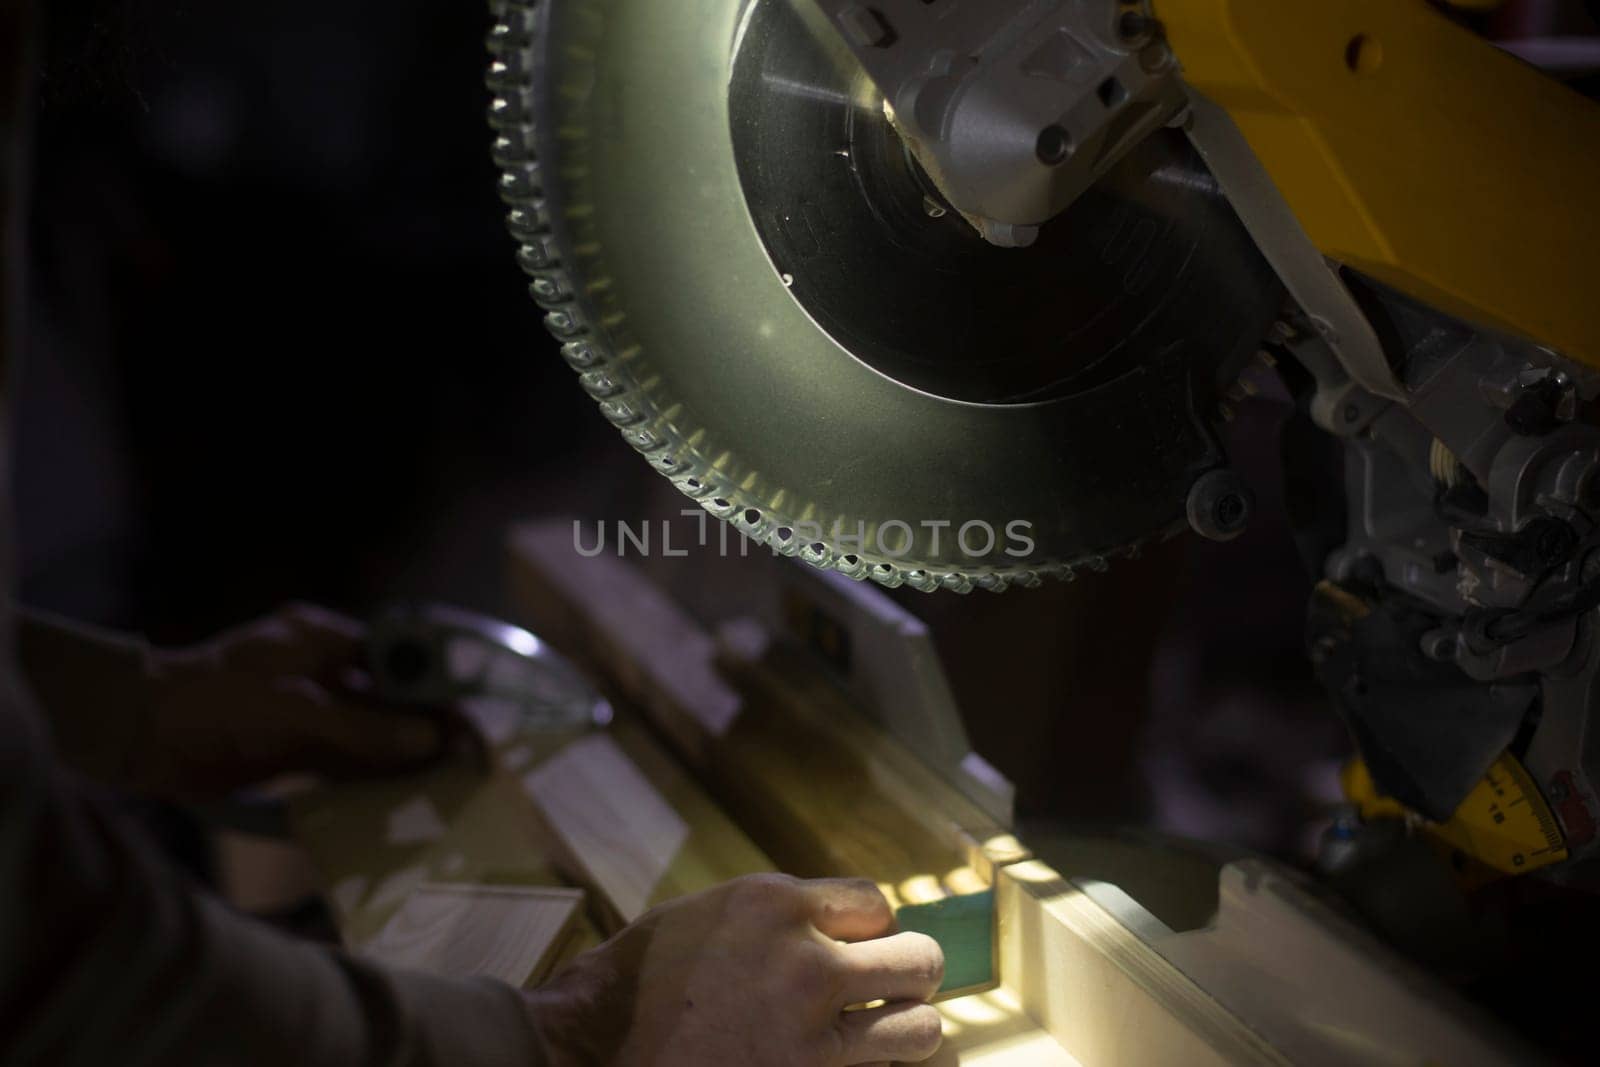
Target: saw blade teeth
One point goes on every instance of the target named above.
(620, 413)
(644, 441)
(956, 582)
(783, 541)
(521, 184)
(623, 415)
(508, 72)
(549, 290)
(599, 384)
(511, 33)
(539, 255)
(720, 506)
(692, 487)
(852, 566)
(528, 222)
(888, 575)
(511, 109)
(754, 524)
(566, 322)
(510, 147)
(581, 355)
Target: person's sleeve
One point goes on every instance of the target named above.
(107, 956)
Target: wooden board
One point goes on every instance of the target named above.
(464, 931)
(633, 826)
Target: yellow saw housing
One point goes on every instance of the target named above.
(1415, 152)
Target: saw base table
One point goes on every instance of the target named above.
(731, 753)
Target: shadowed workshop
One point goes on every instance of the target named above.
(1021, 532)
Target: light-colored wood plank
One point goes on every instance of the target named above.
(636, 826)
(462, 931)
(1101, 992)
(602, 612)
(718, 849)
(618, 826)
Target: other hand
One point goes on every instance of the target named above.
(280, 695)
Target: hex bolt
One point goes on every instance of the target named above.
(1219, 505)
(1155, 57)
(1132, 26)
(1536, 409)
(1054, 146)
(1441, 645)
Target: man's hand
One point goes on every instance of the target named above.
(279, 695)
(755, 972)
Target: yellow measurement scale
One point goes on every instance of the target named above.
(1504, 824)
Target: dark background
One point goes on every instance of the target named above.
(277, 348)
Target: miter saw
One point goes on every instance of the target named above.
(949, 294)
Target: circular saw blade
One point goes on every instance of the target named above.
(757, 288)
